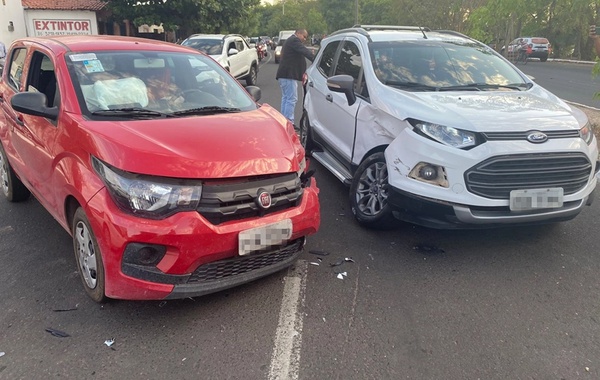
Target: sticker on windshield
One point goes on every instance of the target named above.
(82, 57)
(93, 66)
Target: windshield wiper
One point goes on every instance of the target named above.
(487, 86)
(412, 85)
(131, 111)
(207, 110)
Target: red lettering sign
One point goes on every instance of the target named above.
(62, 27)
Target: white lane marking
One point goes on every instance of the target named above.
(285, 361)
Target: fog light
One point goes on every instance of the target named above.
(144, 254)
(428, 172)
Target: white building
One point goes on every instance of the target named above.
(29, 18)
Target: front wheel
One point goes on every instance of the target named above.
(12, 187)
(88, 257)
(369, 193)
(305, 133)
(252, 76)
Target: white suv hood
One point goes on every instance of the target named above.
(481, 111)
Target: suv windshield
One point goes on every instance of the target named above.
(437, 65)
(144, 84)
(210, 46)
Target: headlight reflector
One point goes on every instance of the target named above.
(587, 133)
(453, 137)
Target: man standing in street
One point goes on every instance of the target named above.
(290, 71)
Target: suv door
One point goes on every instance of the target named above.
(337, 127)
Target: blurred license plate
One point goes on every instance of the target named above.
(259, 238)
(521, 200)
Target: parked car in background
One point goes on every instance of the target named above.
(437, 129)
(232, 51)
(540, 47)
(283, 36)
(171, 179)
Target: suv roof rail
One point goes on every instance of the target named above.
(458, 34)
(391, 27)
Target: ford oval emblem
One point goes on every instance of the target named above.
(537, 137)
(264, 199)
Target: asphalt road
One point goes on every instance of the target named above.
(569, 80)
(512, 303)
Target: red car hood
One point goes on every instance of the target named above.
(217, 146)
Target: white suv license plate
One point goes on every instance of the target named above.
(532, 199)
(263, 237)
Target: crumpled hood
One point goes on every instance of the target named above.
(217, 146)
(481, 111)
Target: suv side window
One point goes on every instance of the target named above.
(327, 58)
(350, 63)
(239, 45)
(15, 71)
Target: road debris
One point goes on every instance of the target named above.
(2, 354)
(66, 309)
(342, 275)
(109, 342)
(314, 263)
(318, 253)
(428, 249)
(57, 333)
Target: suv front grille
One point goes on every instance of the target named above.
(232, 267)
(495, 177)
(504, 136)
(223, 202)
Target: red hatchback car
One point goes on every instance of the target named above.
(172, 180)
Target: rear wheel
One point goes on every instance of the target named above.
(12, 187)
(252, 76)
(369, 193)
(88, 257)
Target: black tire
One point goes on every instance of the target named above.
(305, 133)
(88, 257)
(252, 76)
(11, 185)
(369, 194)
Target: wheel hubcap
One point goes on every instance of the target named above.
(372, 190)
(86, 255)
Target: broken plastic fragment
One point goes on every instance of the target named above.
(318, 253)
(340, 276)
(349, 259)
(314, 263)
(68, 309)
(163, 303)
(2, 354)
(428, 249)
(337, 263)
(57, 333)
(109, 342)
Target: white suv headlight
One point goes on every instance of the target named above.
(453, 137)
(587, 133)
(146, 196)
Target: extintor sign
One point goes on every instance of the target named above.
(67, 27)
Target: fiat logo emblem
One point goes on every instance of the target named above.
(264, 199)
(537, 137)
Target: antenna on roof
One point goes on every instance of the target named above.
(423, 31)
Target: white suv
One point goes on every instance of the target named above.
(231, 51)
(438, 129)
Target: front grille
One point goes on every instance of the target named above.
(495, 177)
(507, 136)
(222, 202)
(231, 267)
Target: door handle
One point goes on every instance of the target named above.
(329, 98)
(310, 84)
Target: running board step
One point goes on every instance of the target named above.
(333, 166)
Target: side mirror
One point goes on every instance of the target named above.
(33, 103)
(344, 84)
(254, 92)
(232, 51)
